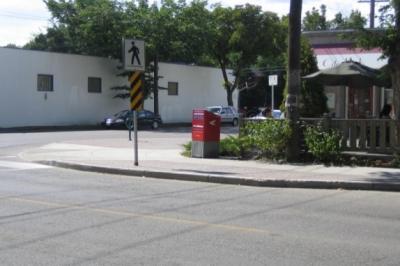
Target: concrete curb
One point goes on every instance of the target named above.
(232, 180)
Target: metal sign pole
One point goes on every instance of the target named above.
(135, 134)
(272, 99)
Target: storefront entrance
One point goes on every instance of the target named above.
(360, 102)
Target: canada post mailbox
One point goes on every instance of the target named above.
(206, 128)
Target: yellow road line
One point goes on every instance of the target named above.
(139, 215)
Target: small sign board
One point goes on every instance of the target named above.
(133, 54)
(273, 80)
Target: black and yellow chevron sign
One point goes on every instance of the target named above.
(135, 81)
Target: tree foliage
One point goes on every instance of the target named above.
(90, 27)
(240, 36)
(312, 96)
(174, 31)
(354, 21)
(386, 37)
(315, 20)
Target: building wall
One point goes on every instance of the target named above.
(198, 87)
(70, 103)
(334, 57)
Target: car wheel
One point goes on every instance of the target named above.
(155, 125)
(235, 122)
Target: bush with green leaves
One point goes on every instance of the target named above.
(187, 149)
(267, 138)
(229, 146)
(323, 144)
(235, 146)
(270, 136)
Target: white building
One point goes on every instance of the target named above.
(53, 89)
(189, 87)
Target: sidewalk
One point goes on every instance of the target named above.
(116, 157)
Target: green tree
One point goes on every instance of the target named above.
(354, 21)
(387, 37)
(315, 19)
(12, 45)
(174, 32)
(240, 36)
(312, 95)
(92, 27)
(231, 38)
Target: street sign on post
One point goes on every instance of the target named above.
(136, 93)
(134, 55)
(272, 81)
(136, 104)
(134, 60)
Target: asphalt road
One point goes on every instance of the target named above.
(51, 216)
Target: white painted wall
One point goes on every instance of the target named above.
(21, 104)
(198, 87)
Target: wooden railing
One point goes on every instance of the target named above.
(370, 135)
(366, 135)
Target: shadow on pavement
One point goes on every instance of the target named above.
(385, 177)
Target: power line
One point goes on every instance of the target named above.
(21, 16)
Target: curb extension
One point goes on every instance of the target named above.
(231, 180)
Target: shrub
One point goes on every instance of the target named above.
(270, 136)
(187, 149)
(323, 144)
(235, 146)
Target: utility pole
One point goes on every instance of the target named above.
(372, 10)
(294, 82)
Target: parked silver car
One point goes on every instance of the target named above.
(228, 114)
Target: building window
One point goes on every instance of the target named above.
(94, 85)
(172, 88)
(44, 82)
(388, 96)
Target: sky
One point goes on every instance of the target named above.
(21, 20)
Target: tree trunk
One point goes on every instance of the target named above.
(227, 86)
(394, 65)
(229, 96)
(292, 100)
(155, 89)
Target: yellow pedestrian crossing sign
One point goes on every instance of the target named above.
(136, 93)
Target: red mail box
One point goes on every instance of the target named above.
(205, 126)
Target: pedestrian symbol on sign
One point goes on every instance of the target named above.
(135, 53)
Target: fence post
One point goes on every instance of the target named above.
(326, 122)
(242, 124)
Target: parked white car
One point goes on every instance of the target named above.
(228, 114)
(276, 114)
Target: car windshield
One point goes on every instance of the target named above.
(214, 109)
(121, 114)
